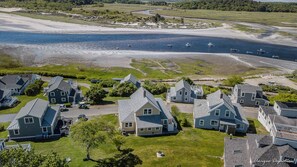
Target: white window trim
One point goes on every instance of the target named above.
(127, 124)
(241, 101)
(242, 94)
(63, 93)
(157, 128)
(43, 130)
(141, 129)
(257, 103)
(52, 93)
(253, 98)
(17, 131)
(149, 129)
(63, 99)
(228, 112)
(186, 93)
(147, 109)
(215, 121)
(201, 122)
(29, 122)
(53, 100)
(219, 111)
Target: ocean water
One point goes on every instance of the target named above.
(148, 42)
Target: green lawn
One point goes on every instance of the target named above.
(190, 147)
(256, 126)
(23, 101)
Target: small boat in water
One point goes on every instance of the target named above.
(210, 44)
(275, 56)
(117, 48)
(261, 51)
(234, 50)
(169, 45)
(129, 45)
(249, 52)
(188, 44)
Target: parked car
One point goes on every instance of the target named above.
(82, 117)
(83, 105)
(62, 107)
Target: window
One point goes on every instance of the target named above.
(186, 99)
(242, 94)
(237, 151)
(165, 121)
(257, 102)
(186, 93)
(147, 111)
(53, 100)
(227, 114)
(217, 112)
(157, 128)
(214, 123)
(52, 93)
(44, 129)
(16, 132)
(174, 98)
(253, 97)
(128, 124)
(29, 120)
(63, 99)
(141, 129)
(201, 122)
(180, 93)
(63, 93)
(149, 129)
(241, 101)
(238, 126)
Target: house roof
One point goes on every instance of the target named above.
(278, 119)
(3, 93)
(247, 88)
(149, 121)
(182, 84)
(200, 108)
(286, 105)
(126, 113)
(218, 98)
(239, 114)
(267, 110)
(49, 116)
(130, 78)
(34, 108)
(236, 152)
(58, 83)
(165, 112)
(140, 98)
(12, 82)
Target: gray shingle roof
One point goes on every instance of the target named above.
(126, 113)
(3, 93)
(239, 114)
(278, 119)
(287, 105)
(131, 78)
(200, 108)
(235, 152)
(141, 97)
(12, 82)
(247, 88)
(267, 110)
(218, 98)
(182, 84)
(58, 83)
(149, 121)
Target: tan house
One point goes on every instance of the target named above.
(145, 115)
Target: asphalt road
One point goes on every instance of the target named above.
(7, 117)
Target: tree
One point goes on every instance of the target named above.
(233, 80)
(92, 133)
(118, 140)
(125, 89)
(155, 88)
(18, 157)
(188, 80)
(34, 88)
(96, 94)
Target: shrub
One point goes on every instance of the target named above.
(2, 128)
(34, 88)
(96, 94)
(155, 88)
(123, 90)
(233, 80)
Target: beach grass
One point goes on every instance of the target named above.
(248, 29)
(267, 18)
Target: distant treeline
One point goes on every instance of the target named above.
(237, 5)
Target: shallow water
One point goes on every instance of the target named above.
(148, 42)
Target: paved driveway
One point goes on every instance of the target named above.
(251, 112)
(7, 117)
(93, 111)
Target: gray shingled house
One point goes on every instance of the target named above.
(145, 115)
(257, 151)
(36, 120)
(17, 83)
(183, 92)
(280, 120)
(219, 113)
(60, 91)
(249, 95)
(6, 100)
(131, 79)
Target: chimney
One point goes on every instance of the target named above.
(144, 93)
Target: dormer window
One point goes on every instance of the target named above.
(227, 114)
(28, 120)
(217, 112)
(147, 111)
(242, 94)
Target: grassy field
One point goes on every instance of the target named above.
(248, 29)
(277, 19)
